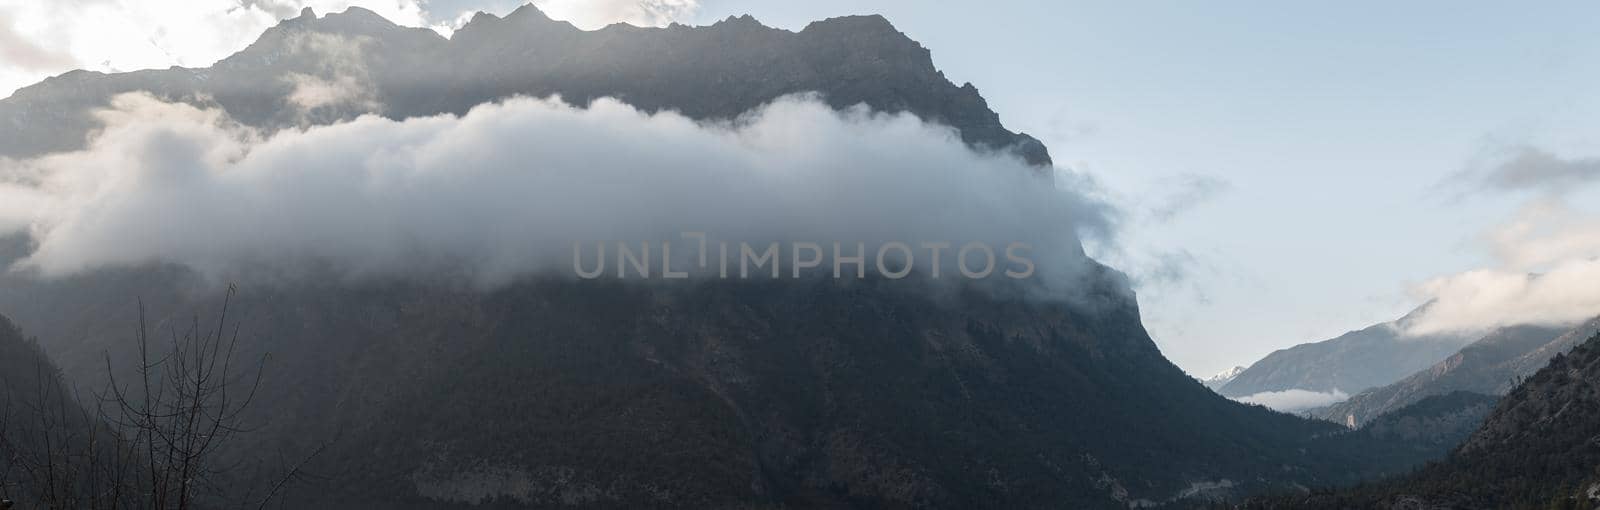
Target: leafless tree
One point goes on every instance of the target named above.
(149, 443)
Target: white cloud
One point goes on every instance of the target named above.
(1545, 233)
(1295, 400)
(1186, 192)
(593, 14)
(125, 35)
(504, 190)
(44, 38)
(1487, 298)
(24, 54)
(1548, 272)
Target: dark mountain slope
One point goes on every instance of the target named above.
(24, 368)
(1538, 449)
(718, 71)
(1490, 366)
(820, 393)
(27, 380)
(1351, 362)
(1438, 422)
(40, 420)
(1396, 443)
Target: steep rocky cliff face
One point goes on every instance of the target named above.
(718, 394)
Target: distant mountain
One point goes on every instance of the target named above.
(1349, 363)
(1222, 378)
(1539, 448)
(807, 393)
(1492, 365)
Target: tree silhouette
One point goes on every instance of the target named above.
(150, 443)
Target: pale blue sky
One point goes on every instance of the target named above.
(1333, 126)
(1329, 136)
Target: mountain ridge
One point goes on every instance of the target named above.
(416, 72)
(1536, 449)
(1349, 363)
(1492, 366)
(815, 393)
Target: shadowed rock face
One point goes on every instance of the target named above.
(719, 71)
(807, 393)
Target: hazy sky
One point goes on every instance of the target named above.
(1289, 172)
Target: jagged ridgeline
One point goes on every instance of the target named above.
(718, 71)
(721, 394)
(1493, 365)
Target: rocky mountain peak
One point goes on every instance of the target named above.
(859, 24)
(717, 71)
(1220, 379)
(530, 17)
(361, 21)
(745, 19)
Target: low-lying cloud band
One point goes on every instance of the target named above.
(503, 191)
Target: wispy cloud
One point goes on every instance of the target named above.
(24, 54)
(1532, 168)
(1186, 192)
(1529, 168)
(592, 14)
